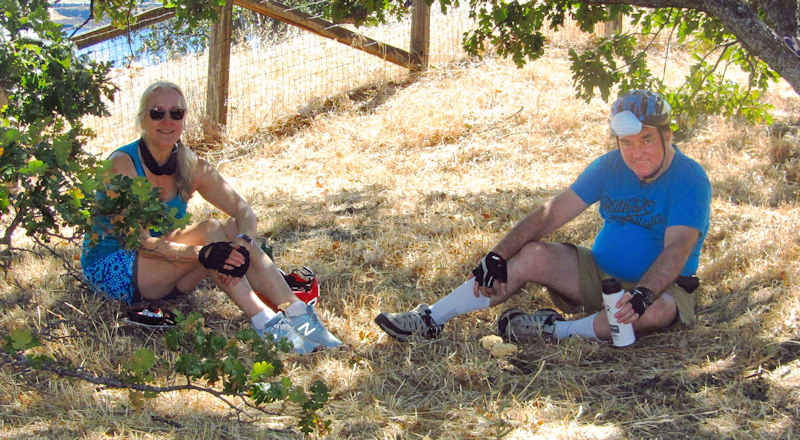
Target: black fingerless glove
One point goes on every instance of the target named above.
(641, 297)
(213, 256)
(492, 267)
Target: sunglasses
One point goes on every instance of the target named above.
(176, 114)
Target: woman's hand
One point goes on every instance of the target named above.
(235, 259)
(227, 281)
(225, 258)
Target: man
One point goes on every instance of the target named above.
(654, 202)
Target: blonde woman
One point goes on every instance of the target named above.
(177, 261)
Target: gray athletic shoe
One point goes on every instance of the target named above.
(312, 329)
(279, 328)
(515, 325)
(401, 326)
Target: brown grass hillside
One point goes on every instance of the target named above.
(392, 194)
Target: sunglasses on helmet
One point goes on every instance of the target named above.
(176, 114)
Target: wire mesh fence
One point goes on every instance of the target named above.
(275, 70)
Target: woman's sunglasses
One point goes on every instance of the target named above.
(176, 114)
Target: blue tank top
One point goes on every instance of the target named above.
(108, 244)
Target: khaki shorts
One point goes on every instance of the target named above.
(591, 278)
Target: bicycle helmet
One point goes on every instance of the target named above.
(636, 108)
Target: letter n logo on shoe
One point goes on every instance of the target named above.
(305, 329)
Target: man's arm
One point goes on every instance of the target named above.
(678, 244)
(542, 221)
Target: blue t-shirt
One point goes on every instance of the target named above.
(636, 215)
(108, 244)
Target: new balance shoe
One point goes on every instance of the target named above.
(515, 325)
(280, 328)
(310, 328)
(401, 326)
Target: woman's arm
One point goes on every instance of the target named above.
(214, 189)
(157, 247)
(121, 163)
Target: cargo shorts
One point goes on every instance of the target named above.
(590, 279)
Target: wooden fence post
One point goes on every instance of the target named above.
(420, 34)
(219, 62)
(613, 25)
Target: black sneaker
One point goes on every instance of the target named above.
(515, 325)
(401, 326)
(150, 317)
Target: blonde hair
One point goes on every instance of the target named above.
(187, 160)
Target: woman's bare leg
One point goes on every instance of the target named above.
(263, 275)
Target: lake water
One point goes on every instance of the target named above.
(72, 16)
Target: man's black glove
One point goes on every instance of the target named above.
(492, 267)
(641, 297)
(213, 256)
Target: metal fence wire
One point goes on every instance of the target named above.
(275, 69)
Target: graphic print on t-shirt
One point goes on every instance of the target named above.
(636, 210)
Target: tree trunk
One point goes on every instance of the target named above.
(757, 38)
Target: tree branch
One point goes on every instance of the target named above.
(743, 22)
(21, 361)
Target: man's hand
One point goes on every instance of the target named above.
(492, 268)
(633, 304)
(641, 297)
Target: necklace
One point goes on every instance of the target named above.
(168, 168)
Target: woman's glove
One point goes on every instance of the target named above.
(214, 255)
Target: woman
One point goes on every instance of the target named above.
(179, 260)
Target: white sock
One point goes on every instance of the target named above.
(458, 302)
(260, 319)
(582, 327)
(297, 308)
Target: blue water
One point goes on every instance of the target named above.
(119, 51)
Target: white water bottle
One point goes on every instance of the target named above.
(621, 334)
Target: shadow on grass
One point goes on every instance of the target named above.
(122, 424)
(671, 384)
(657, 389)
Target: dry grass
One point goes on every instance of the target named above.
(391, 194)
